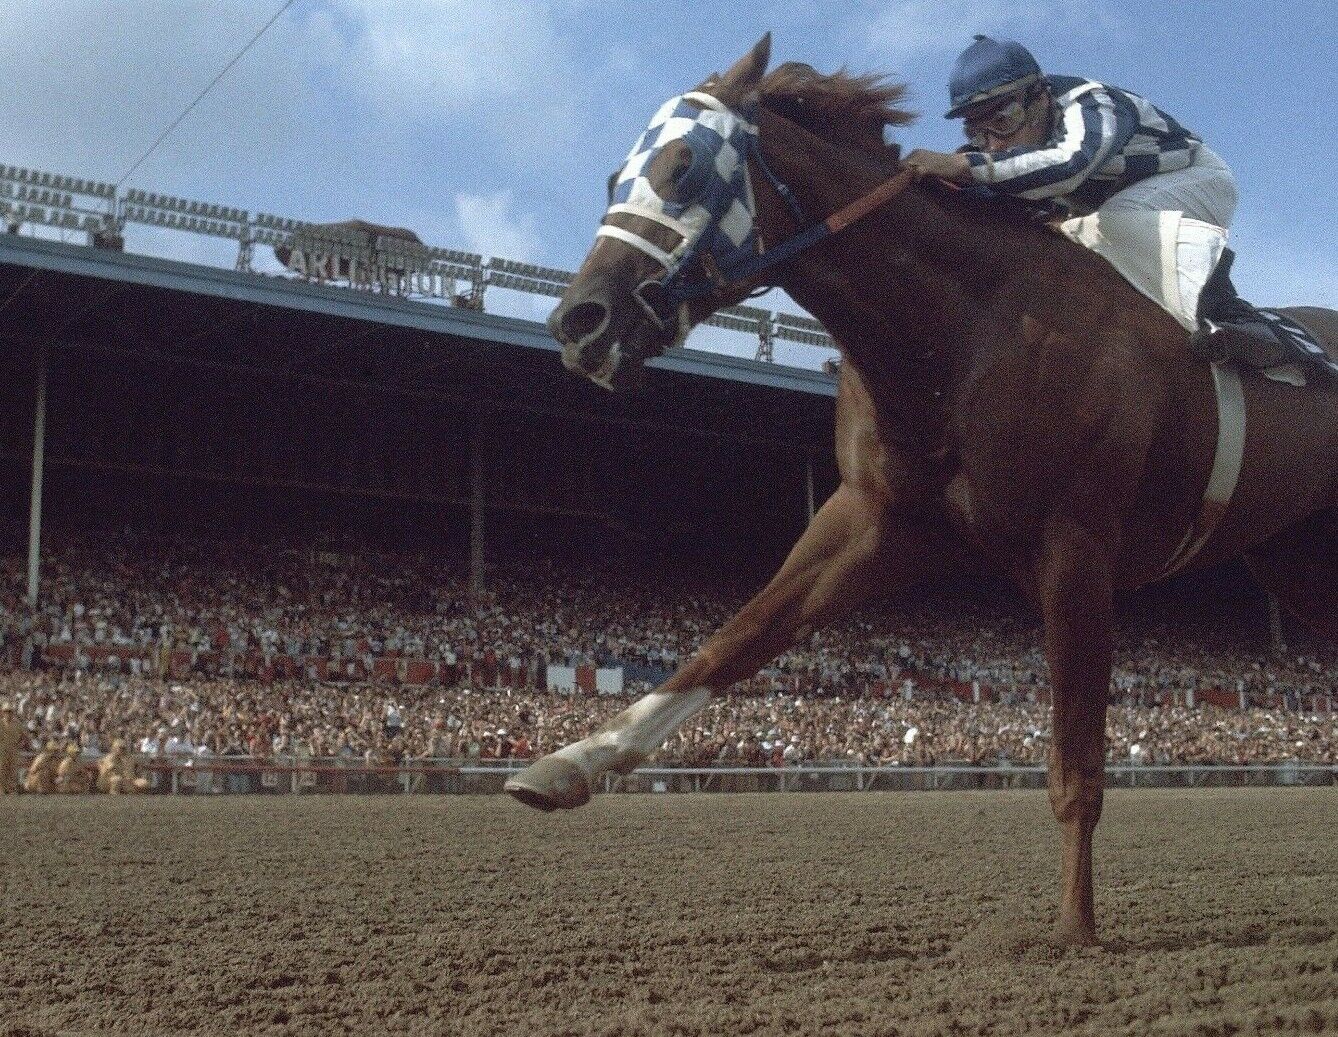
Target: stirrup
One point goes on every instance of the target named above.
(1208, 342)
(1254, 344)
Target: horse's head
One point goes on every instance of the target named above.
(681, 219)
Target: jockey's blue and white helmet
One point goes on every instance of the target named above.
(989, 68)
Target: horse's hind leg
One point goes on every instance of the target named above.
(1299, 567)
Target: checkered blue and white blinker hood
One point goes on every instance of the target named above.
(717, 219)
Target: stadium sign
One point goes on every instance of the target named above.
(365, 256)
(358, 273)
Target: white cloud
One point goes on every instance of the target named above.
(348, 84)
(100, 82)
(492, 227)
(623, 58)
(501, 61)
(344, 108)
(1282, 262)
(180, 245)
(446, 52)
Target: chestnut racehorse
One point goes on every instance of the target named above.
(1005, 399)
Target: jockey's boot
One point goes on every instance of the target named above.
(1251, 341)
(1230, 328)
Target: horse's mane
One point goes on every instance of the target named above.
(842, 107)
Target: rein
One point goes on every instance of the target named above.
(837, 221)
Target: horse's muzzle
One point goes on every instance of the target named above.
(583, 324)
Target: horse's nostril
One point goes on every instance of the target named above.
(583, 321)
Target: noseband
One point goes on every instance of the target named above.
(719, 244)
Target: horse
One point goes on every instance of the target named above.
(1005, 402)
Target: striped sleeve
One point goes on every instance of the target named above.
(1093, 128)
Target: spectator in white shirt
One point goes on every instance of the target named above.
(178, 745)
(153, 744)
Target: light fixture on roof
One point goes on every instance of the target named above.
(516, 282)
(530, 270)
(729, 323)
(804, 330)
(58, 182)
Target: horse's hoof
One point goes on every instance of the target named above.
(1074, 934)
(550, 784)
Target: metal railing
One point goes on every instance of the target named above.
(359, 258)
(287, 775)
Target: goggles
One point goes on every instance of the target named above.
(1002, 122)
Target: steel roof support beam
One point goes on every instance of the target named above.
(808, 485)
(821, 434)
(35, 500)
(475, 505)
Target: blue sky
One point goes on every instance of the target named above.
(491, 125)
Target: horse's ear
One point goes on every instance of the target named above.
(746, 75)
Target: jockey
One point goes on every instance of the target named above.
(1086, 147)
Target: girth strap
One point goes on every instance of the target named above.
(1226, 466)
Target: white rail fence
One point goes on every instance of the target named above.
(233, 775)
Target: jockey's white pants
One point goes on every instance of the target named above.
(1204, 190)
(1170, 262)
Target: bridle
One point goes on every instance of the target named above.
(719, 245)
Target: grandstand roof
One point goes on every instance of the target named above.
(76, 296)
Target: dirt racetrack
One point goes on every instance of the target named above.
(891, 913)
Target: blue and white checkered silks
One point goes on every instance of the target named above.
(717, 216)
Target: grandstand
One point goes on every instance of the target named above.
(215, 409)
(177, 393)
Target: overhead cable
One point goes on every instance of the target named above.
(212, 83)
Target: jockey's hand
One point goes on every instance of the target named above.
(946, 167)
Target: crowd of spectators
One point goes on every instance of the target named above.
(883, 687)
(387, 725)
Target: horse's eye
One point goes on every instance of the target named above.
(689, 173)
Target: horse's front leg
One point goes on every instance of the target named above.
(850, 550)
(1076, 601)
